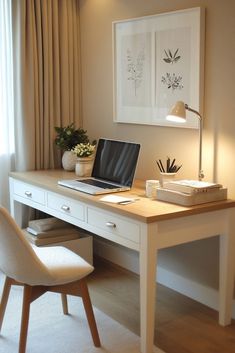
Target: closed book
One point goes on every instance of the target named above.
(45, 241)
(191, 186)
(51, 233)
(45, 224)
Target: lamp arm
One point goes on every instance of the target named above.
(200, 171)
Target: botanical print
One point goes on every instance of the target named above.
(173, 59)
(136, 69)
(170, 57)
(157, 62)
(172, 81)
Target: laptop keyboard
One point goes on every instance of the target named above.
(98, 183)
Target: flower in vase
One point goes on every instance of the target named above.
(83, 149)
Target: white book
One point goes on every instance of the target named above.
(45, 224)
(51, 233)
(191, 186)
(45, 241)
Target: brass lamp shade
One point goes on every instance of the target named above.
(177, 113)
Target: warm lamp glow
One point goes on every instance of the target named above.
(177, 114)
(175, 119)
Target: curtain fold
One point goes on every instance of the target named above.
(7, 146)
(47, 77)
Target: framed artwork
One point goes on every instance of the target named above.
(158, 60)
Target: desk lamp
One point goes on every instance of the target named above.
(178, 115)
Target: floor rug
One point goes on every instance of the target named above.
(52, 332)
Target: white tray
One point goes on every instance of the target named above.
(191, 200)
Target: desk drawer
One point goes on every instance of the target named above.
(29, 192)
(114, 224)
(66, 206)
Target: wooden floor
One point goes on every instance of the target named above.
(182, 325)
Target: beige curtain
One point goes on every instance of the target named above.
(47, 77)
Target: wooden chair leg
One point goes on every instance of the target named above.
(64, 303)
(5, 296)
(25, 318)
(89, 312)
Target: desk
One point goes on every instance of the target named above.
(145, 226)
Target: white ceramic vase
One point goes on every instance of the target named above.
(84, 166)
(69, 160)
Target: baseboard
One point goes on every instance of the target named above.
(129, 260)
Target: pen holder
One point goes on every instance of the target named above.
(166, 177)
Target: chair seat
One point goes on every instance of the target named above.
(63, 265)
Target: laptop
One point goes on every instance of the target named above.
(113, 169)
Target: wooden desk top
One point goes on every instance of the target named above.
(144, 210)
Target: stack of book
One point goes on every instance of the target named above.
(191, 192)
(49, 230)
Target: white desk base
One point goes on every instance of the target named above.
(131, 227)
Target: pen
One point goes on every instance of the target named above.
(178, 168)
(126, 202)
(172, 165)
(163, 170)
(159, 166)
(168, 165)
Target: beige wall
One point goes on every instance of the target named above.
(156, 141)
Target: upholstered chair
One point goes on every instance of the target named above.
(38, 270)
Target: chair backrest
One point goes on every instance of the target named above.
(17, 258)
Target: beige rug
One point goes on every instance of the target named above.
(52, 332)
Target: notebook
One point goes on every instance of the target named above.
(113, 169)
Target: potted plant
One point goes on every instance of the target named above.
(66, 139)
(84, 153)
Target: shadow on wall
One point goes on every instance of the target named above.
(197, 261)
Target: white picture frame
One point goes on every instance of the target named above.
(158, 60)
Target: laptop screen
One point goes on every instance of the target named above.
(116, 161)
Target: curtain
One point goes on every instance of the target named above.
(7, 147)
(47, 77)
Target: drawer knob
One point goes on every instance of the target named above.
(110, 224)
(65, 208)
(28, 193)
